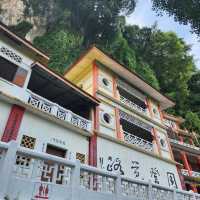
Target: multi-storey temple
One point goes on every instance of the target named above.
(99, 113)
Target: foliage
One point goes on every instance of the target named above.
(192, 122)
(168, 56)
(184, 11)
(62, 46)
(194, 97)
(162, 59)
(22, 28)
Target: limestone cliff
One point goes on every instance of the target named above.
(12, 12)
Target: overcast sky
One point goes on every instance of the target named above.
(144, 16)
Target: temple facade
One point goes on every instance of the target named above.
(186, 151)
(130, 136)
(40, 109)
(99, 113)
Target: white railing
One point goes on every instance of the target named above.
(44, 105)
(27, 174)
(132, 105)
(194, 174)
(58, 111)
(185, 144)
(133, 139)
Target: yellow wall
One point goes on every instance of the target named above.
(83, 78)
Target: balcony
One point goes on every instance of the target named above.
(139, 142)
(185, 146)
(193, 173)
(132, 105)
(44, 105)
(27, 174)
(59, 112)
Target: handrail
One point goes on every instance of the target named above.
(135, 140)
(132, 104)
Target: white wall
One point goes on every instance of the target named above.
(108, 152)
(47, 132)
(4, 114)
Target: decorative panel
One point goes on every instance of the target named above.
(28, 142)
(81, 157)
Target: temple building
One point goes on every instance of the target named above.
(99, 128)
(186, 151)
(39, 108)
(129, 137)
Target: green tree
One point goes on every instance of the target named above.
(184, 11)
(192, 122)
(168, 56)
(22, 28)
(62, 46)
(194, 97)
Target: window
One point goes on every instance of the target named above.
(28, 142)
(12, 72)
(105, 82)
(107, 118)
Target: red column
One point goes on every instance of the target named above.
(181, 139)
(191, 141)
(187, 167)
(13, 123)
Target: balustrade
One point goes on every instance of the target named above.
(133, 139)
(185, 144)
(33, 175)
(44, 105)
(193, 173)
(132, 105)
(58, 111)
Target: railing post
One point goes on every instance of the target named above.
(150, 197)
(7, 168)
(118, 187)
(75, 181)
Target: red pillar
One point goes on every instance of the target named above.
(181, 139)
(13, 123)
(187, 167)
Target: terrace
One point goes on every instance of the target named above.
(45, 91)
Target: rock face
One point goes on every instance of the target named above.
(12, 12)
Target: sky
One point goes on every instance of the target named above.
(144, 16)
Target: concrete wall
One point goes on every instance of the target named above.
(133, 164)
(4, 114)
(47, 132)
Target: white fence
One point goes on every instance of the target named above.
(29, 175)
(44, 105)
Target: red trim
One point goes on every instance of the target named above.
(114, 87)
(161, 114)
(13, 123)
(187, 167)
(156, 139)
(118, 130)
(95, 78)
(149, 107)
(181, 178)
(93, 140)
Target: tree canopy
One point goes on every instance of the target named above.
(184, 11)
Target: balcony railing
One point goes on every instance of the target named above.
(27, 174)
(58, 111)
(193, 173)
(132, 105)
(184, 144)
(44, 105)
(139, 142)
